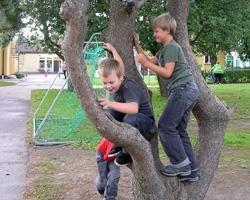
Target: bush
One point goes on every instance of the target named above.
(232, 75)
(237, 75)
(19, 75)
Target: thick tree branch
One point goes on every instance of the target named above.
(74, 12)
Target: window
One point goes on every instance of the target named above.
(229, 61)
(207, 60)
(49, 64)
(42, 63)
(45, 64)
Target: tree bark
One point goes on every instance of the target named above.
(120, 34)
(212, 116)
(146, 176)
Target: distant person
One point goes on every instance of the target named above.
(108, 173)
(217, 73)
(129, 104)
(64, 69)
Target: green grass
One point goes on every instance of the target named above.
(5, 83)
(43, 187)
(66, 120)
(236, 139)
(235, 93)
(150, 81)
(235, 159)
(237, 133)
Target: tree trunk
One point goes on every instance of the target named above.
(211, 114)
(147, 179)
(213, 59)
(162, 86)
(120, 34)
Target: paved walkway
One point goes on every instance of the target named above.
(14, 110)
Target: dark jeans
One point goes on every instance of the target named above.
(217, 78)
(139, 120)
(173, 124)
(108, 178)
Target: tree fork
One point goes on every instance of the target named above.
(74, 12)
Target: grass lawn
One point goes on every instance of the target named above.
(5, 83)
(151, 81)
(237, 133)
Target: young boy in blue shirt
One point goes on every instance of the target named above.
(171, 65)
(129, 103)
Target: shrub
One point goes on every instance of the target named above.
(236, 75)
(231, 75)
(19, 75)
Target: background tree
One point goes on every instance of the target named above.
(244, 46)
(212, 115)
(98, 16)
(44, 24)
(228, 21)
(10, 23)
(219, 26)
(144, 18)
(213, 26)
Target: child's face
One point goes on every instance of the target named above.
(161, 36)
(112, 83)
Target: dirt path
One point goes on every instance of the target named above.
(73, 171)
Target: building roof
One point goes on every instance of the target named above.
(24, 47)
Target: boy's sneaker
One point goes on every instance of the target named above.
(123, 159)
(115, 151)
(193, 177)
(172, 170)
(128, 3)
(101, 192)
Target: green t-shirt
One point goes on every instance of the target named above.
(217, 69)
(172, 52)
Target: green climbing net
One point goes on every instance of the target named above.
(59, 116)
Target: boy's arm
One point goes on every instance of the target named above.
(140, 50)
(115, 54)
(127, 108)
(165, 71)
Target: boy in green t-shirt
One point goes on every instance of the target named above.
(171, 65)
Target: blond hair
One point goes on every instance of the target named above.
(166, 22)
(109, 65)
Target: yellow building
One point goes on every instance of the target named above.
(23, 58)
(205, 64)
(20, 57)
(8, 63)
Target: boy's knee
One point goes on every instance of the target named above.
(114, 175)
(130, 119)
(150, 134)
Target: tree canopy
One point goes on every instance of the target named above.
(45, 24)
(213, 25)
(10, 15)
(219, 26)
